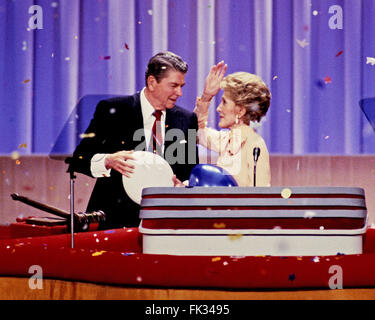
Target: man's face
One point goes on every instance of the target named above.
(165, 93)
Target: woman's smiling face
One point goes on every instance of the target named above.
(227, 110)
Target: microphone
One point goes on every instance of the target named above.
(256, 153)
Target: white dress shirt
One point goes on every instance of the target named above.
(98, 168)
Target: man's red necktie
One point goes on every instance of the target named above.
(157, 138)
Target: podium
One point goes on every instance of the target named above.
(239, 221)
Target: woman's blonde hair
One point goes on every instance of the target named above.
(249, 91)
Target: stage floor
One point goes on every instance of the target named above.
(18, 289)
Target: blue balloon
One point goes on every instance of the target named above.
(208, 175)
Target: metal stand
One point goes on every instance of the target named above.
(255, 173)
(72, 177)
(256, 153)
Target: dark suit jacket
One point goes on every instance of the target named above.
(118, 125)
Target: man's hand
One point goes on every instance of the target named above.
(177, 182)
(213, 80)
(119, 162)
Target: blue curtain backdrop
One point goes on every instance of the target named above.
(317, 74)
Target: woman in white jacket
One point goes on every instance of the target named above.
(246, 99)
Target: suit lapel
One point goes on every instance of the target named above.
(171, 122)
(139, 140)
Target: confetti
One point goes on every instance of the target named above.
(235, 236)
(67, 58)
(24, 145)
(292, 277)
(26, 81)
(315, 259)
(127, 254)
(126, 46)
(370, 60)
(87, 135)
(54, 4)
(98, 253)
(139, 279)
(215, 259)
(315, 12)
(219, 225)
(309, 214)
(18, 162)
(326, 137)
(286, 193)
(15, 155)
(274, 78)
(302, 43)
(320, 83)
(149, 12)
(327, 79)
(340, 53)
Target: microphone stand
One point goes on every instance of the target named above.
(256, 153)
(72, 178)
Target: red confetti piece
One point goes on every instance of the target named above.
(126, 46)
(27, 188)
(328, 79)
(340, 53)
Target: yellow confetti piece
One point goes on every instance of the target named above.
(98, 253)
(215, 259)
(18, 162)
(26, 81)
(80, 157)
(87, 135)
(15, 155)
(24, 145)
(235, 236)
(219, 225)
(274, 78)
(286, 193)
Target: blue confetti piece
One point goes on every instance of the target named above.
(109, 231)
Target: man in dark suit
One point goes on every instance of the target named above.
(123, 124)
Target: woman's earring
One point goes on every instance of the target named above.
(237, 119)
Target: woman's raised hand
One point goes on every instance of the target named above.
(213, 80)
